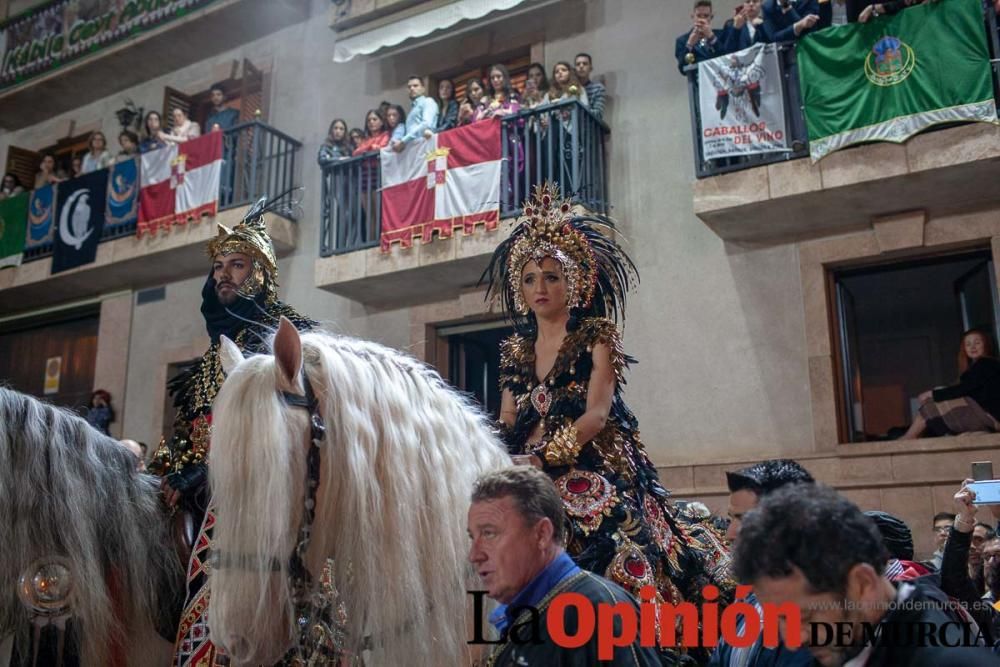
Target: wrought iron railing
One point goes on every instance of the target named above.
(257, 160)
(795, 122)
(562, 143)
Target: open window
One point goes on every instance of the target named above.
(899, 328)
(474, 361)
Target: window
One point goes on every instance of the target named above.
(517, 66)
(474, 361)
(898, 334)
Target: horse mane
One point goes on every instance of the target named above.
(67, 490)
(401, 453)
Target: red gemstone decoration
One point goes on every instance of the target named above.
(542, 398)
(636, 567)
(578, 485)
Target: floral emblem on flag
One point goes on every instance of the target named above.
(889, 62)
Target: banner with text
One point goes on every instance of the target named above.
(56, 33)
(741, 103)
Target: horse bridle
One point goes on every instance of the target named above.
(301, 580)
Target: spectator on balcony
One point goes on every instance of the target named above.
(11, 185)
(596, 93)
(129, 142)
(565, 86)
(75, 167)
(222, 117)
(423, 114)
(501, 99)
(151, 141)
(701, 42)
(746, 28)
(395, 121)
(969, 406)
(98, 156)
(354, 138)
(474, 94)
(535, 86)
(787, 20)
(47, 171)
(877, 9)
(336, 146)
(448, 105)
(184, 128)
(840, 12)
(376, 135)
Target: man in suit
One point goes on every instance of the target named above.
(702, 42)
(787, 20)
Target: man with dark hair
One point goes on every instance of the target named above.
(596, 94)
(898, 541)
(222, 117)
(942, 522)
(423, 113)
(702, 42)
(808, 546)
(518, 530)
(746, 488)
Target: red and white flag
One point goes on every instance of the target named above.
(180, 183)
(450, 181)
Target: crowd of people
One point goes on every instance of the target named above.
(768, 21)
(391, 125)
(154, 135)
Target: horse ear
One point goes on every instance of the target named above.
(288, 351)
(229, 354)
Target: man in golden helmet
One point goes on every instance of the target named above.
(240, 301)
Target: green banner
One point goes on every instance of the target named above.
(894, 76)
(13, 219)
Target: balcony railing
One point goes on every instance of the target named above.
(562, 143)
(257, 160)
(795, 122)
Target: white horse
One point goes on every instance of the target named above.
(84, 544)
(395, 472)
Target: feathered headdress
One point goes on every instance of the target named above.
(598, 272)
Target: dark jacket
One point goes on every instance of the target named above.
(448, 118)
(737, 40)
(779, 26)
(924, 605)
(701, 51)
(956, 583)
(980, 382)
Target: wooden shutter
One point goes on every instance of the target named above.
(173, 98)
(24, 164)
(252, 93)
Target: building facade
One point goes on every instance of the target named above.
(736, 324)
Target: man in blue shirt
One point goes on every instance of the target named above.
(423, 114)
(518, 529)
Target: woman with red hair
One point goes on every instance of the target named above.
(971, 405)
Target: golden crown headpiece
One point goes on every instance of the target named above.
(250, 238)
(598, 272)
